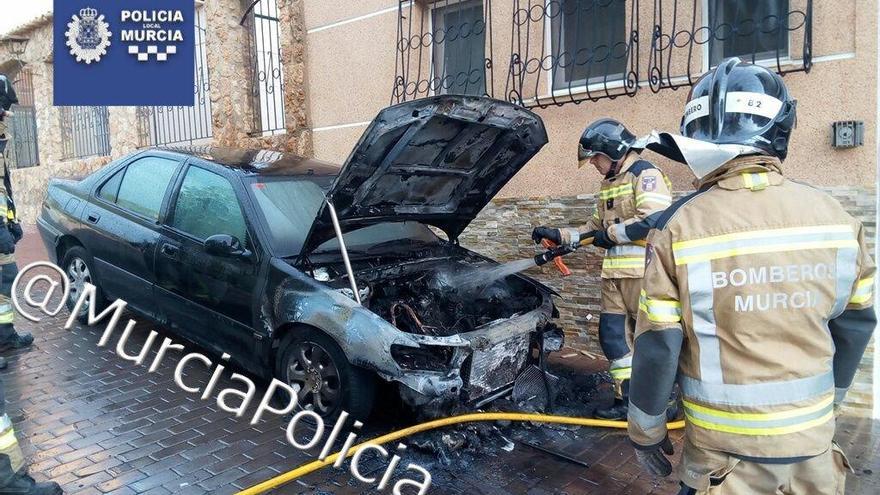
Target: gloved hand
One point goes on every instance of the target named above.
(546, 233)
(602, 240)
(16, 231)
(654, 459)
(7, 243)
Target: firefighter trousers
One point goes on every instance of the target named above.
(8, 272)
(620, 305)
(707, 472)
(11, 456)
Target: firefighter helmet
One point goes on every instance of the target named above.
(744, 104)
(606, 137)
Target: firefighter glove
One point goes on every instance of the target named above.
(654, 459)
(16, 231)
(603, 240)
(7, 243)
(546, 233)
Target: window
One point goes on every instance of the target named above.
(267, 72)
(459, 53)
(23, 124)
(157, 126)
(589, 41)
(142, 187)
(207, 205)
(751, 29)
(85, 131)
(110, 190)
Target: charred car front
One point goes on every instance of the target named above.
(239, 251)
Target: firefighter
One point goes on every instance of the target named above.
(631, 198)
(10, 231)
(757, 294)
(13, 474)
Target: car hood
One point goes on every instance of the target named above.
(436, 160)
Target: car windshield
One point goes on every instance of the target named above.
(289, 205)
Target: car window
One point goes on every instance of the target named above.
(288, 206)
(143, 186)
(110, 189)
(207, 205)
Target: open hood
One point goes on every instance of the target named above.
(436, 160)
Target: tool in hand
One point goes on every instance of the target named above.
(555, 251)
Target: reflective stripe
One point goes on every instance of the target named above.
(7, 317)
(846, 271)
(596, 214)
(660, 310)
(765, 241)
(624, 362)
(757, 394)
(654, 198)
(614, 192)
(756, 181)
(621, 373)
(773, 423)
(8, 439)
(864, 291)
(626, 250)
(701, 295)
(652, 426)
(618, 263)
(5, 423)
(5, 308)
(620, 233)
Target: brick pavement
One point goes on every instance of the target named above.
(98, 424)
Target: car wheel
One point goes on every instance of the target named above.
(78, 265)
(328, 383)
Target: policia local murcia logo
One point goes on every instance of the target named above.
(156, 36)
(88, 36)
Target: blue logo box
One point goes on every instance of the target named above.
(124, 52)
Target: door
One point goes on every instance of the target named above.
(123, 221)
(208, 297)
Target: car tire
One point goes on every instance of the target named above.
(329, 384)
(79, 267)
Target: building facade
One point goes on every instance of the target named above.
(309, 75)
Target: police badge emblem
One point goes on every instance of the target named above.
(649, 183)
(88, 36)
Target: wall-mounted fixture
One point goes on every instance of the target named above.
(848, 134)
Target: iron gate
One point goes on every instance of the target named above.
(266, 70)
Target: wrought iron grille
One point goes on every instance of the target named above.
(163, 125)
(691, 36)
(443, 47)
(570, 51)
(22, 150)
(85, 131)
(266, 69)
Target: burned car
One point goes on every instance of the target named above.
(326, 277)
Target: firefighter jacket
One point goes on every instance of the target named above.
(761, 290)
(628, 206)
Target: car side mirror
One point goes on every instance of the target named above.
(225, 245)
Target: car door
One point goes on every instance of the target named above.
(208, 297)
(123, 225)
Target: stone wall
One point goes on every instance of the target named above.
(503, 231)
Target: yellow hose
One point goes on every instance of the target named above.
(431, 425)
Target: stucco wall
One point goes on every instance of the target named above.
(350, 46)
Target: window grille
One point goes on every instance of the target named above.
(443, 47)
(571, 51)
(689, 37)
(265, 65)
(22, 147)
(162, 125)
(85, 132)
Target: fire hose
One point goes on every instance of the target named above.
(555, 252)
(432, 425)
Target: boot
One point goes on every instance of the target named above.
(616, 412)
(17, 341)
(2, 363)
(22, 484)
